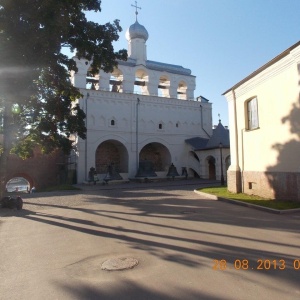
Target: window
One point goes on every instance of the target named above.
(160, 126)
(112, 122)
(252, 114)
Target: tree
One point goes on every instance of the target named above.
(35, 90)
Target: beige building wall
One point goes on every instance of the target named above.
(265, 161)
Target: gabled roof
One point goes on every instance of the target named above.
(220, 135)
(197, 142)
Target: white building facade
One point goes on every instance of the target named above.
(143, 110)
(264, 114)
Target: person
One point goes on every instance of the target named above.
(33, 190)
(184, 172)
(93, 177)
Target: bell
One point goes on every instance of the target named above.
(112, 174)
(172, 171)
(146, 169)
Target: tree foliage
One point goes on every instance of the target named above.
(34, 74)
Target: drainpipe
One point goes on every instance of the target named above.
(137, 135)
(201, 108)
(238, 169)
(242, 158)
(86, 115)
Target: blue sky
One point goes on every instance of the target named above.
(221, 41)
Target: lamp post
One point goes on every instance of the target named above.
(221, 154)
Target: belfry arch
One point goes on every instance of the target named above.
(141, 82)
(111, 152)
(116, 81)
(181, 90)
(164, 86)
(158, 154)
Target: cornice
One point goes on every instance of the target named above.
(97, 94)
(272, 71)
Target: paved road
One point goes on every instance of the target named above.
(55, 247)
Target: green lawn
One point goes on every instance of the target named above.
(276, 204)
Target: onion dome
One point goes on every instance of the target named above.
(137, 30)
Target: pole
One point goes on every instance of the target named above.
(86, 125)
(221, 154)
(137, 135)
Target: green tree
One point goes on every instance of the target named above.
(36, 95)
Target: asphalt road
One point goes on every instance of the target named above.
(188, 247)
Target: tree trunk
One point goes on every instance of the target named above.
(7, 124)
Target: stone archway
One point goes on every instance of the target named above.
(111, 151)
(158, 154)
(19, 183)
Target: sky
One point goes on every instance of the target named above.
(220, 41)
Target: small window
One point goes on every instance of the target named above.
(177, 125)
(160, 126)
(112, 122)
(252, 114)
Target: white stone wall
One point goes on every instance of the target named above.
(272, 148)
(180, 120)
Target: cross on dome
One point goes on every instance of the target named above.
(136, 9)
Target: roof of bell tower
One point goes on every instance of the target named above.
(137, 30)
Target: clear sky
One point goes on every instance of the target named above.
(221, 41)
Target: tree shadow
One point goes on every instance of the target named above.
(160, 227)
(284, 177)
(128, 290)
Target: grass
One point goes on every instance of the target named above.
(270, 203)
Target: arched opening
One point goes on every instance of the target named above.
(163, 86)
(92, 80)
(181, 90)
(211, 167)
(116, 81)
(111, 152)
(141, 82)
(18, 184)
(158, 154)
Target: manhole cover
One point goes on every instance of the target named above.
(118, 264)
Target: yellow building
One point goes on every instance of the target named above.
(264, 121)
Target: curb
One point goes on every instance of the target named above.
(258, 207)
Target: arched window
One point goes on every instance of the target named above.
(112, 122)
